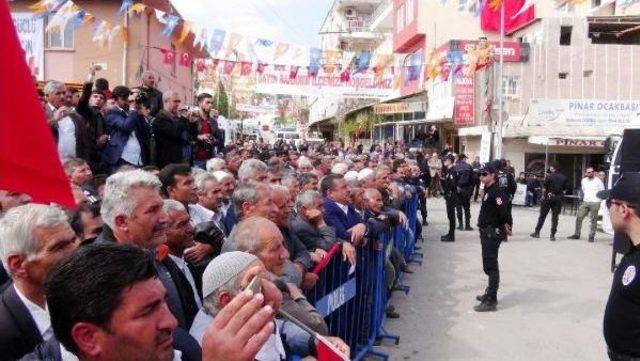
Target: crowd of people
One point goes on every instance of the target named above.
(181, 248)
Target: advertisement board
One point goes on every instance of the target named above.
(30, 31)
(463, 90)
(580, 112)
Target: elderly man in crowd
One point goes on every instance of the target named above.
(310, 228)
(67, 131)
(79, 173)
(215, 164)
(227, 185)
(338, 213)
(172, 133)
(33, 238)
(252, 171)
(308, 182)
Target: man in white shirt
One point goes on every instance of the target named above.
(59, 119)
(209, 201)
(591, 185)
(33, 238)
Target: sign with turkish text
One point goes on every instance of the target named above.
(403, 107)
(361, 85)
(512, 50)
(485, 147)
(30, 31)
(577, 142)
(580, 112)
(464, 99)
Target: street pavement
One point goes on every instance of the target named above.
(551, 299)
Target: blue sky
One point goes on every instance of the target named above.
(292, 21)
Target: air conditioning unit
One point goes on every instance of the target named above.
(350, 12)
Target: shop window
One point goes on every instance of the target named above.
(595, 3)
(565, 35)
(511, 85)
(60, 37)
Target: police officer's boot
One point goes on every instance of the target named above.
(552, 237)
(535, 234)
(468, 227)
(488, 304)
(449, 237)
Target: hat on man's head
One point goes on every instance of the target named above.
(223, 269)
(627, 189)
(487, 167)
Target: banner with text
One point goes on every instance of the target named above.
(274, 81)
(30, 31)
(403, 107)
(464, 95)
(582, 112)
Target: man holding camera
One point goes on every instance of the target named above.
(128, 129)
(206, 142)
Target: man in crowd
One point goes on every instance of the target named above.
(555, 187)
(89, 107)
(207, 128)
(155, 96)
(93, 324)
(252, 170)
(338, 213)
(87, 222)
(70, 135)
(448, 178)
(33, 238)
(590, 186)
(227, 185)
(171, 132)
(129, 133)
(79, 174)
(464, 190)
(308, 182)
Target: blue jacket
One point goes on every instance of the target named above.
(230, 220)
(335, 217)
(119, 125)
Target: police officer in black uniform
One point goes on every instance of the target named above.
(464, 188)
(493, 223)
(622, 313)
(506, 182)
(449, 179)
(554, 189)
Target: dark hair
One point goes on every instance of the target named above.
(76, 217)
(168, 173)
(121, 92)
(72, 90)
(326, 184)
(202, 96)
(150, 168)
(101, 84)
(87, 286)
(397, 163)
(305, 178)
(98, 180)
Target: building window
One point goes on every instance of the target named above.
(59, 38)
(563, 75)
(511, 85)
(462, 5)
(595, 3)
(565, 35)
(587, 73)
(409, 5)
(400, 18)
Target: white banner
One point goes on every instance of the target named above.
(273, 81)
(485, 147)
(581, 112)
(30, 31)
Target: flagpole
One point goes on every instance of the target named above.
(500, 86)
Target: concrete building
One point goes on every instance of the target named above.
(68, 54)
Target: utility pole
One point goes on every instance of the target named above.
(498, 131)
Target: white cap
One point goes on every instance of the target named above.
(223, 269)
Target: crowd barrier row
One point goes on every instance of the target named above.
(353, 300)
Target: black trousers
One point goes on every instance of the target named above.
(490, 246)
(551, 203)
(476, 190)
(464, 203)
(422, 199)
(509, 207)
(451, 213)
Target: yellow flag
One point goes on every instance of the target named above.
(186, 29)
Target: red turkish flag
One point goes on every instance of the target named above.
(228, 67)
(214, 64)
(490, 16)
(168, 56)
(328, 352)
(293, 72)
(246, 68)
(185, 59)
(29, 161)
(200, 66)
(260, 68)
(345, 76)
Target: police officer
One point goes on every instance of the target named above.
(506, 182)
(493, 223)
(622, 313)
(554, 188)
(449, 180)
(464, 188)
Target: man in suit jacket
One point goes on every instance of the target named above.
(310, 228)
(89, 108)
(68, 127)
(338, 213)
(33, 239)
(129, 132)
(172, 133)
(145, 226)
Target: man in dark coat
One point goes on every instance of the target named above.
(170, 130)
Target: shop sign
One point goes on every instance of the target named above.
(576, 142)
(580, 112)
(31, 35)
(512, 50)
(393, 108)
(464, 95)
(440, 109)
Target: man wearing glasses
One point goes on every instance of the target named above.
(622, 314)
(493, 223)
(590, 185)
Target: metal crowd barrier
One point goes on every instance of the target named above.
(353, 300)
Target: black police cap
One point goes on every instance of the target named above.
(627, 189)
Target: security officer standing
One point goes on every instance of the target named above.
(493, 223)
(464, 188)
(449, 180)
(622, 313)
(506, 182)
(554, 189)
